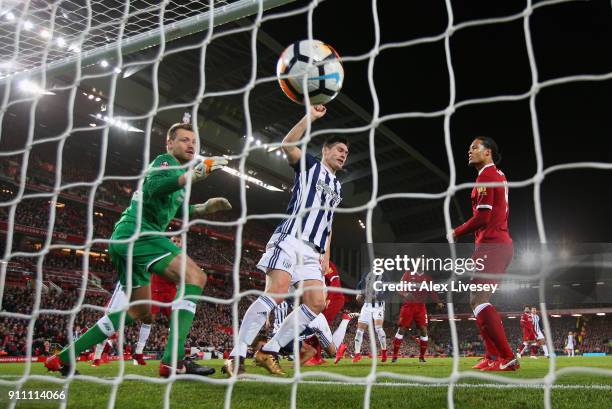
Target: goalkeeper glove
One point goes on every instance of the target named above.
(206, 167)
(213, 205)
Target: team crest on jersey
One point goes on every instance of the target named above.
(482, 190)
(335, 197)
(164, 164)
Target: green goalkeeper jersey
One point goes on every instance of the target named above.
(162, 199)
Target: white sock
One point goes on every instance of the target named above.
(143, 335)
(398, 335)
(382, 337)
(285, 334)
(320, 326)
(358, 340)
(99, 350)
(545, 349)
(254, 318)
(340, 332)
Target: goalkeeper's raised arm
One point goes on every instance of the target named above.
(295, 134)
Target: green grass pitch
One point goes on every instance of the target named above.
(572, 390)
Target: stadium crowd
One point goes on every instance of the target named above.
(212, 329)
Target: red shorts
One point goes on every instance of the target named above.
(409, 312)
(529, 335)
(333, 308)
(162, 290)
(162, 296)
(495, 257)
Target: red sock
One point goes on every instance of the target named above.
(490, 348)
(492, 325)
(534, 350)
(397, 343)
(423, 345)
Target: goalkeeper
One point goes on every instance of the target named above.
(162, 195)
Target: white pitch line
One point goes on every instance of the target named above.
(425, 385)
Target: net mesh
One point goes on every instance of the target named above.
(34, 34)
(68, 28)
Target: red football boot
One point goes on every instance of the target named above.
(139, 359)
(340, 353)
(504, 365)
(484, 363)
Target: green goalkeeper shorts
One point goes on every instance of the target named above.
(150, 254)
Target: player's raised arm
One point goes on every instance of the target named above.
(295, 134)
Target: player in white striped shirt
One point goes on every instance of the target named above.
(298, 251)
(540, 340)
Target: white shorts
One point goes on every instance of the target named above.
(282, 254)
(118, 300)
(372, 312)
(540, 336)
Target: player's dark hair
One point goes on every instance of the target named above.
(489, 143)
(332, 140)
(171, 135)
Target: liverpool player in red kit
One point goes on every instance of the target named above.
(529, 332)
(163, 290)
(414, 310)
(334, 304)
(493, 246)
(335, 300)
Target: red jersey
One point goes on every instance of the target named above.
(527, 323)
(418, 297)
(489, 222)
(332, 279)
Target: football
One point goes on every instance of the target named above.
(311, 67)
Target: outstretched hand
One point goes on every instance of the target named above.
(207, 166)
(212, 205)
(317, 111)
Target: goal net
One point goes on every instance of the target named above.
(88, 90)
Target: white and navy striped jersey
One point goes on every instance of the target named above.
(280, 313)
(536, 323)
(315, 189)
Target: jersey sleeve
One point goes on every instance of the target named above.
(179, 211)
(160, 181)
(333, 279)
(485, 195)
(310, 162)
